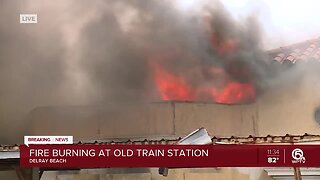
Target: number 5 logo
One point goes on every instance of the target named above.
(297, 155)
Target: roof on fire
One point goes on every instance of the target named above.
(305, 51)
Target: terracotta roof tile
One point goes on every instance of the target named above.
(300, 52)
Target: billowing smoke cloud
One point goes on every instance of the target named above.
(32, 68)
(137, 47)
(101, 51)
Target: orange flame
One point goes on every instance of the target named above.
(175, 87)
(171, 87)
(235, 92)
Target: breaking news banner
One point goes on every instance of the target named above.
(95, 156)
(48, 140)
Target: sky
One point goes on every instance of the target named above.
(283, 21)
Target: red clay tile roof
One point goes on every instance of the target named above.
(301, 52)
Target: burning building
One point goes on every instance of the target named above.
(288, 107)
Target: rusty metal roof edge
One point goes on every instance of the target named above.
(215, 140)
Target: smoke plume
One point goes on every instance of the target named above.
(109, 51)
(32, 68)
(141, 50)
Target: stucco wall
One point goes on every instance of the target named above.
(109, 121)
(143, 120)
(289, 107)
(219, 120)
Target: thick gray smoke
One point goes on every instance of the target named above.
(206, 47)
(101, 51)
(32, 68)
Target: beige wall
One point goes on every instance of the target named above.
(144, 120)
(219, 120)
(109, 121)
(289, 108)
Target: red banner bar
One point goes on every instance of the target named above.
(97, 156)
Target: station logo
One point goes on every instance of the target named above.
(297, 155)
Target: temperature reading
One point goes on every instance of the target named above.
(273, 159)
